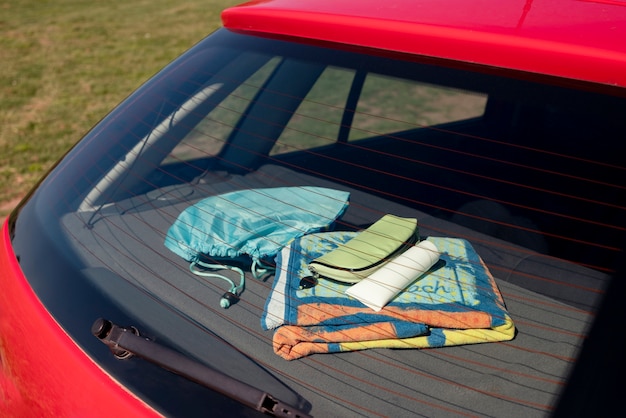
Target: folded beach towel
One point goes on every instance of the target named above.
(456, 302)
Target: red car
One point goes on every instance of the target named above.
(338, 208)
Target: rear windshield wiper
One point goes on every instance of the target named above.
(127, 342)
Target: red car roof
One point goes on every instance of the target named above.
(577, 39)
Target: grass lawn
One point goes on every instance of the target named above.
(66, 63)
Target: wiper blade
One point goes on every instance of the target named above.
(126, 342)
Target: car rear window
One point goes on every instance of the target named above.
(372, 105)
(518, 175)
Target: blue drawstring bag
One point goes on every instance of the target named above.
(255, 223)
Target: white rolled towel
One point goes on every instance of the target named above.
(376, 290)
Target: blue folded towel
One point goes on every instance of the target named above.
(456, 302)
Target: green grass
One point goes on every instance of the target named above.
(66, 63)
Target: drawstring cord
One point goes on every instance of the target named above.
(258, 270)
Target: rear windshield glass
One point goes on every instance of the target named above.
(247, 160)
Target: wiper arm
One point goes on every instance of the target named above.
(126, 342)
